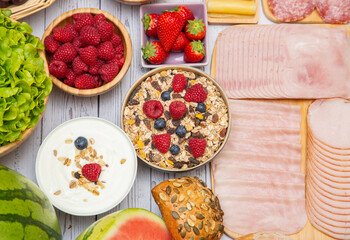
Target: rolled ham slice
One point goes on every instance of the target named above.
(296, 61)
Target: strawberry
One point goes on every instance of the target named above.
(88, 55)
(77, 43)
(63, 34)
(194, 52)
(51, 44)
(153, 109)
(119, 49)
(85, 81)
(162, 142)
(70, 27)
(70, 77)
(58, 69)
(83, 20)
(65, 53)
(90, 36)
(195, 29)
(150, 22)
(179, 82)
(105, 51)
(185, 12)
(169, 27)
(154, 53)
(99, 18)
(116, 40)
(180, 43)
(105, 29)
(79, 66)
(177, 109)
(91, 171)
(94, 69)
(197, 146)
(196, 94)
(108, 72)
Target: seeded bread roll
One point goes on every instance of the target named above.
(189, 208)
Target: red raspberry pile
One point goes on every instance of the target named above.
(85, 53)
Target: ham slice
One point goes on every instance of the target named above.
(297, 61)
(257, 174)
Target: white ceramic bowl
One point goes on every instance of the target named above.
(53, 176)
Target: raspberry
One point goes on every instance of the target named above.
(71, 28)
(153, 109)
(65, 53)
(196, 94)
(197, 146)
(91, 171)
(106, 51)
(77, 16)
(162, 142)
(105, 29)
(116, 40)
(108, 72)
(88, 55)
(85, 81)
(118, 60)
(70, 77)
(83, 20)
(90, 36)
(77, 43)
(99, 18)
(58, 69)
(177, 109)
(63, 34)
(79, 66)
(179, 83)
(119, 49)
(69, 82)
(51, 44)
(94, 69)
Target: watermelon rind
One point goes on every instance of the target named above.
(25, 212)
(106, 226)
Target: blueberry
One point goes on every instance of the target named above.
(180, 131)
(165, 96)
(174, 149)
(81, 143)
(159, 124)
(201, 107)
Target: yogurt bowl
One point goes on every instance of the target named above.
(62, 175)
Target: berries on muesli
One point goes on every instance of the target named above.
(196, 94)
(159, 124)
(177, 109)
(201, 107)
(197, 146)
(180, 131)
(179, 83)
(153, 109)
(162, 142)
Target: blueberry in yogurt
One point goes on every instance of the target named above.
(81, 143)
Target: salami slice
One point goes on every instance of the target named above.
(291, 10)
(334, 11)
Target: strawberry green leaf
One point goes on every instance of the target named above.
(146, 21)
(148, 51)
(197, 46)
(195, 26)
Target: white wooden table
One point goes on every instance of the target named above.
(62, 107)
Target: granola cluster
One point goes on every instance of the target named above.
(210, 125)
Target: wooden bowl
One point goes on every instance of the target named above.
(26, 133)
(189, 69)
(118, 29)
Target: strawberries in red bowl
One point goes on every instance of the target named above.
(166, 31)
(88, 50)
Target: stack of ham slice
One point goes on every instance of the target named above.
(328, 167)
(284, 61)
(257, 174)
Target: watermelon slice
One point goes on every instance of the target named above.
(128, 224)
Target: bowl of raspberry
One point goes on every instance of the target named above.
(177, 118)
(88, 51)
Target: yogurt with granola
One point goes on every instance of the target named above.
(86, 166)
(176, 119)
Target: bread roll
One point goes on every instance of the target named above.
(189, 208)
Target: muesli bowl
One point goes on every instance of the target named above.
(213, 124)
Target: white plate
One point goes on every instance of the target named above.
(111, 142)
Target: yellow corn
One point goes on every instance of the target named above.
(199, 116)
(169, 162)
(130, 121)
(140, 144)
(142, 154)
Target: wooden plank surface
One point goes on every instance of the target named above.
(62, 107)
(217, 18)
(308, 232)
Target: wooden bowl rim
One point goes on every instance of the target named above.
(26, 133)
(127, 51)
(189, 69)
